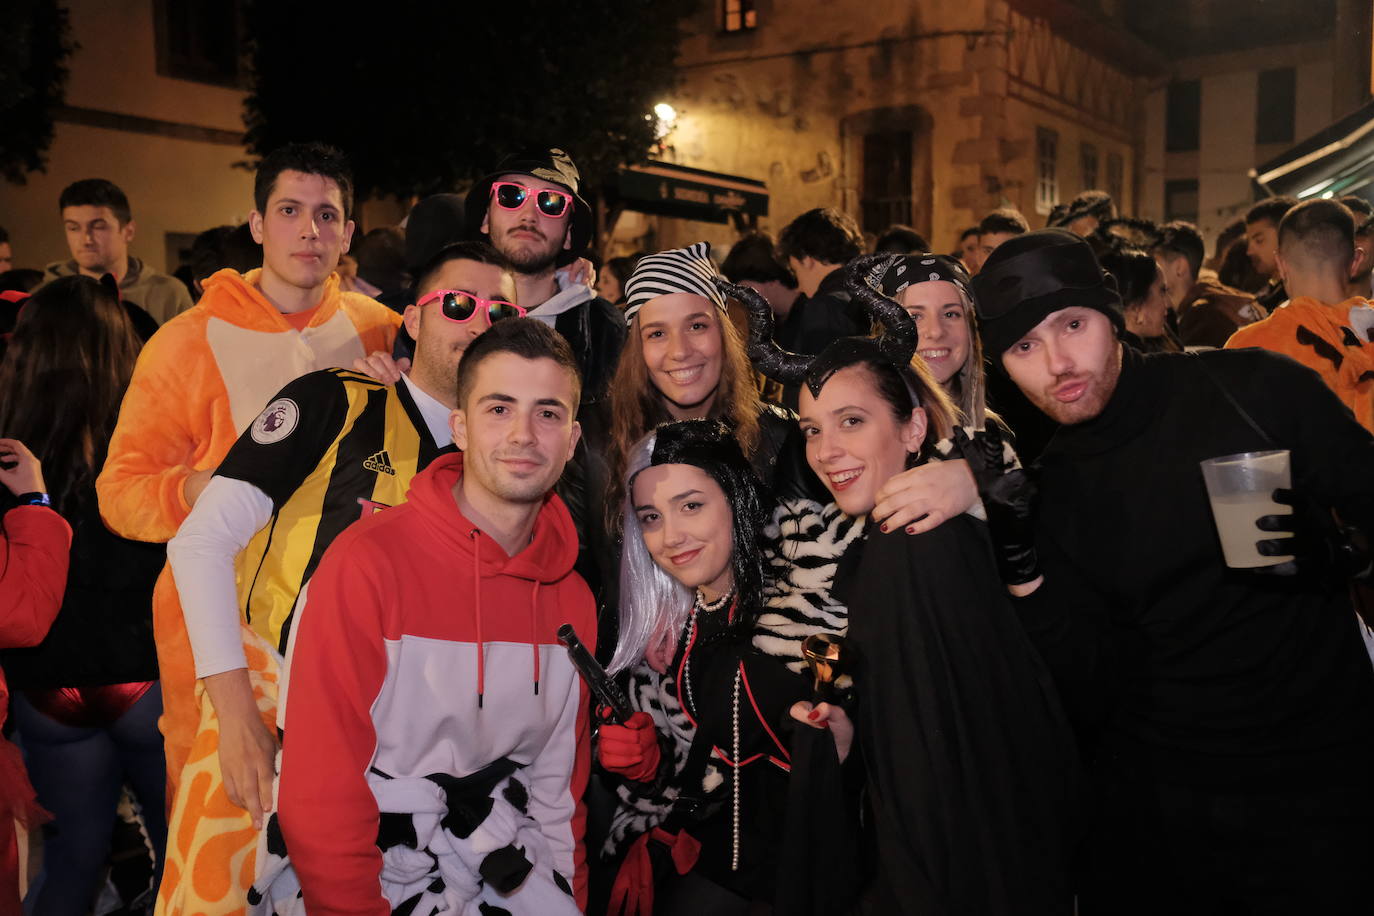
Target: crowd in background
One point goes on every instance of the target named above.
(224, 407)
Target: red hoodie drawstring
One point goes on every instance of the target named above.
(534, 632)
(477, 604)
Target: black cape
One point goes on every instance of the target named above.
(971, 770)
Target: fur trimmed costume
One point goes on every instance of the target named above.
(197, 386)
(806, 542)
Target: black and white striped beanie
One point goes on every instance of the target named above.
(678, 270)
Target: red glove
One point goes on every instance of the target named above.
(632, 894)
(631, 750)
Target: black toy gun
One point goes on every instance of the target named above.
(607, 695)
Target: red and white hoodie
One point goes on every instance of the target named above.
(421, 648)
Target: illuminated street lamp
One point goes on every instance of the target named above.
(665, 119)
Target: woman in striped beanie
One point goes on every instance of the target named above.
(685, 360)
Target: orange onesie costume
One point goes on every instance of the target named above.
(198, 383)
(1327, 339)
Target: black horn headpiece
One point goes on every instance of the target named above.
(896, 343)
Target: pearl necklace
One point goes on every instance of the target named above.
(734, 824)
(699, 604)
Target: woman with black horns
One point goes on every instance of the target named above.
(969, 764)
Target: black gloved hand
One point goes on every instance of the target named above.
(1321, 551)
(1008, 496)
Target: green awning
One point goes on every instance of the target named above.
(665, 189)
(1335, 161)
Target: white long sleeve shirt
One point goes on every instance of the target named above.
(224, 519)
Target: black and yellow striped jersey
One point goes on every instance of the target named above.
(332, 447)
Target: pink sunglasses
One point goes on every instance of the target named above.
(460, 306)
(511, 195)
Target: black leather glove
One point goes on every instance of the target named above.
(1008, 496)
(1321, 551)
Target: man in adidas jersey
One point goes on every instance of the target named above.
(331, 447)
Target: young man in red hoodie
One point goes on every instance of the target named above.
(436, 738)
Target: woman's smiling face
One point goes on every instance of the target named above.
(687, 525)
(854, 442)
(683, 346)
(939, 313)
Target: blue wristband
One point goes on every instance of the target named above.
(34, 499)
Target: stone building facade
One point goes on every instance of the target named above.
(154, 104)
(929, 114)
(1238, 91)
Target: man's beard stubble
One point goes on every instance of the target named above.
(1104, 381)
(435, 366)
(96, 261)
(517, 490)
(522, 259)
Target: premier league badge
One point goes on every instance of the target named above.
(276, 422)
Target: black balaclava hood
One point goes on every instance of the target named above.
(1029, 277)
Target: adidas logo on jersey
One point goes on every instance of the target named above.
(381, 463)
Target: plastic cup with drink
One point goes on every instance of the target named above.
(1241, 489)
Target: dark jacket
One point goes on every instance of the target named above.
(817, 320)
(712, 659)
(161, 297)
(1205, 675)
(969, 763)
(1272, 296)
(104, 632)
(1211, 313)
(596, 331)
(145, 325)
(1165, 343)
(1031, 427)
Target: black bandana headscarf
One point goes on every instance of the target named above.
(899, 271)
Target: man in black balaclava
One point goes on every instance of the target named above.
(1225, 713)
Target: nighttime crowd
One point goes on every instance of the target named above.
(1015, 573)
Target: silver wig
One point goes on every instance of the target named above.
(651, 601)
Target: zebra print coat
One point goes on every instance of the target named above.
(806, 542)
